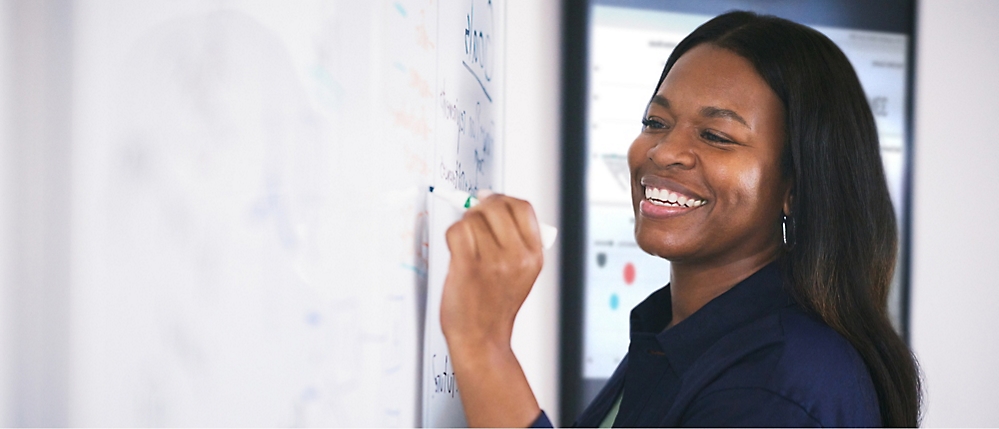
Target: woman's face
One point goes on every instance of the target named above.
(706, 181)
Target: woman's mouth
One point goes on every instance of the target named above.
(667, 198)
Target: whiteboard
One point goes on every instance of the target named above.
(252, 238)
(470, 93)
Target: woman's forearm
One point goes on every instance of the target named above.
(493, 388)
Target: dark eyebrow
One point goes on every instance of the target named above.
(714, 112)
(660, 100)
(708, 111)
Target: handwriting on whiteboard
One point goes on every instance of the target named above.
(478, 45)
(444, 382)
(475, 136)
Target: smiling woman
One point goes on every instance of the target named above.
(776, 309)
(714, 132)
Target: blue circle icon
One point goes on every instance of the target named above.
(614, 301)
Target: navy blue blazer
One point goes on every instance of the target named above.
(750, 357)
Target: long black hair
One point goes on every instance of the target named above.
(845, 239)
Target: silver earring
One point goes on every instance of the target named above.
(783, 227)
(787, 229)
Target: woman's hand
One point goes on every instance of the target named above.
(496, 256)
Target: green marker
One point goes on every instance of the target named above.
(464, 201)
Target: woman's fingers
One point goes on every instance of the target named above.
(487, 238)
(511, 222)
(501, 224)
(527, 223)
(480, 233)
(461, 240)
(499, 237)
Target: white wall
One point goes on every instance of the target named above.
(4, 221)
(532, 172)
(955, 275)
(36, 211)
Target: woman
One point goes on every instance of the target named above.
(758, 175)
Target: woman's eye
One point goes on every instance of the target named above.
(653, 123)
(714, 138)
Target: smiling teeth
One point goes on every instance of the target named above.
(663, 197)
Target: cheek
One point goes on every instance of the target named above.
(638, 153)
(744, 184)
(752, 183)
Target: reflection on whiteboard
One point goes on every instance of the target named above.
(250, 227)
(628, 50)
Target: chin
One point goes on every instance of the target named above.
(658, 243)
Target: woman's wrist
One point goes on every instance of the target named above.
(474, 356)
(479, 345)
(492, 367)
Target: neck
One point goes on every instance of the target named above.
(692, 284)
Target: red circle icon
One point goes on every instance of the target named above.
(629, 273)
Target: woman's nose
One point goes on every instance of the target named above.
(675, 149)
